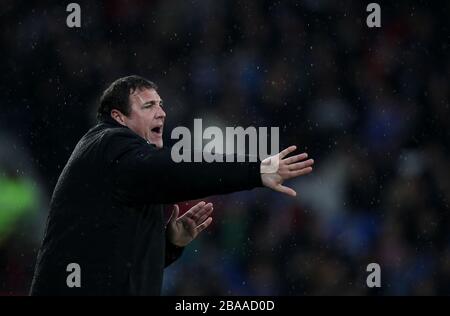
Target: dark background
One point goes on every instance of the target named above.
(371, 105)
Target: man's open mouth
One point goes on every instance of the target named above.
(157, 130)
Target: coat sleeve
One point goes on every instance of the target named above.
(144, 173)
(173, 252)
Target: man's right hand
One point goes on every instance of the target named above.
(277, 168)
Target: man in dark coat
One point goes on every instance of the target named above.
(106, 213)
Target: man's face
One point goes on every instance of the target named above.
(147, 116)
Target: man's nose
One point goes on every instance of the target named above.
(160, 113)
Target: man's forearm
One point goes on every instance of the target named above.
(155, 177)
(186, 181)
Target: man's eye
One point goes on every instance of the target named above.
(152, 103)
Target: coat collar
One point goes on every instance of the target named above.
(110, 121)
(113, 123)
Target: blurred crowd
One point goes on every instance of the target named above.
(370, 105)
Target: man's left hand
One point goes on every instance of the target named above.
(182, 230)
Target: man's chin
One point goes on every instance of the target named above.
(158, 143)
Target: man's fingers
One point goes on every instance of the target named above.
(193, 210)
(287, 151)
(197, 207)
(203, 225)
(175, 212)
(197, 213)
(285, 190)
(301, 165)
(300, 172)
(204, 216)
(291, 160)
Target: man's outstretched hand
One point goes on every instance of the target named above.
(182, 230)
(278, 168)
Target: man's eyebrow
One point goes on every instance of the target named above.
(151, 101)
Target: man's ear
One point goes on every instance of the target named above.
(118, 116)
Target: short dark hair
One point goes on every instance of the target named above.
(116, 96)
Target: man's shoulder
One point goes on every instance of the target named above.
(104, 132)
(112, 140)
